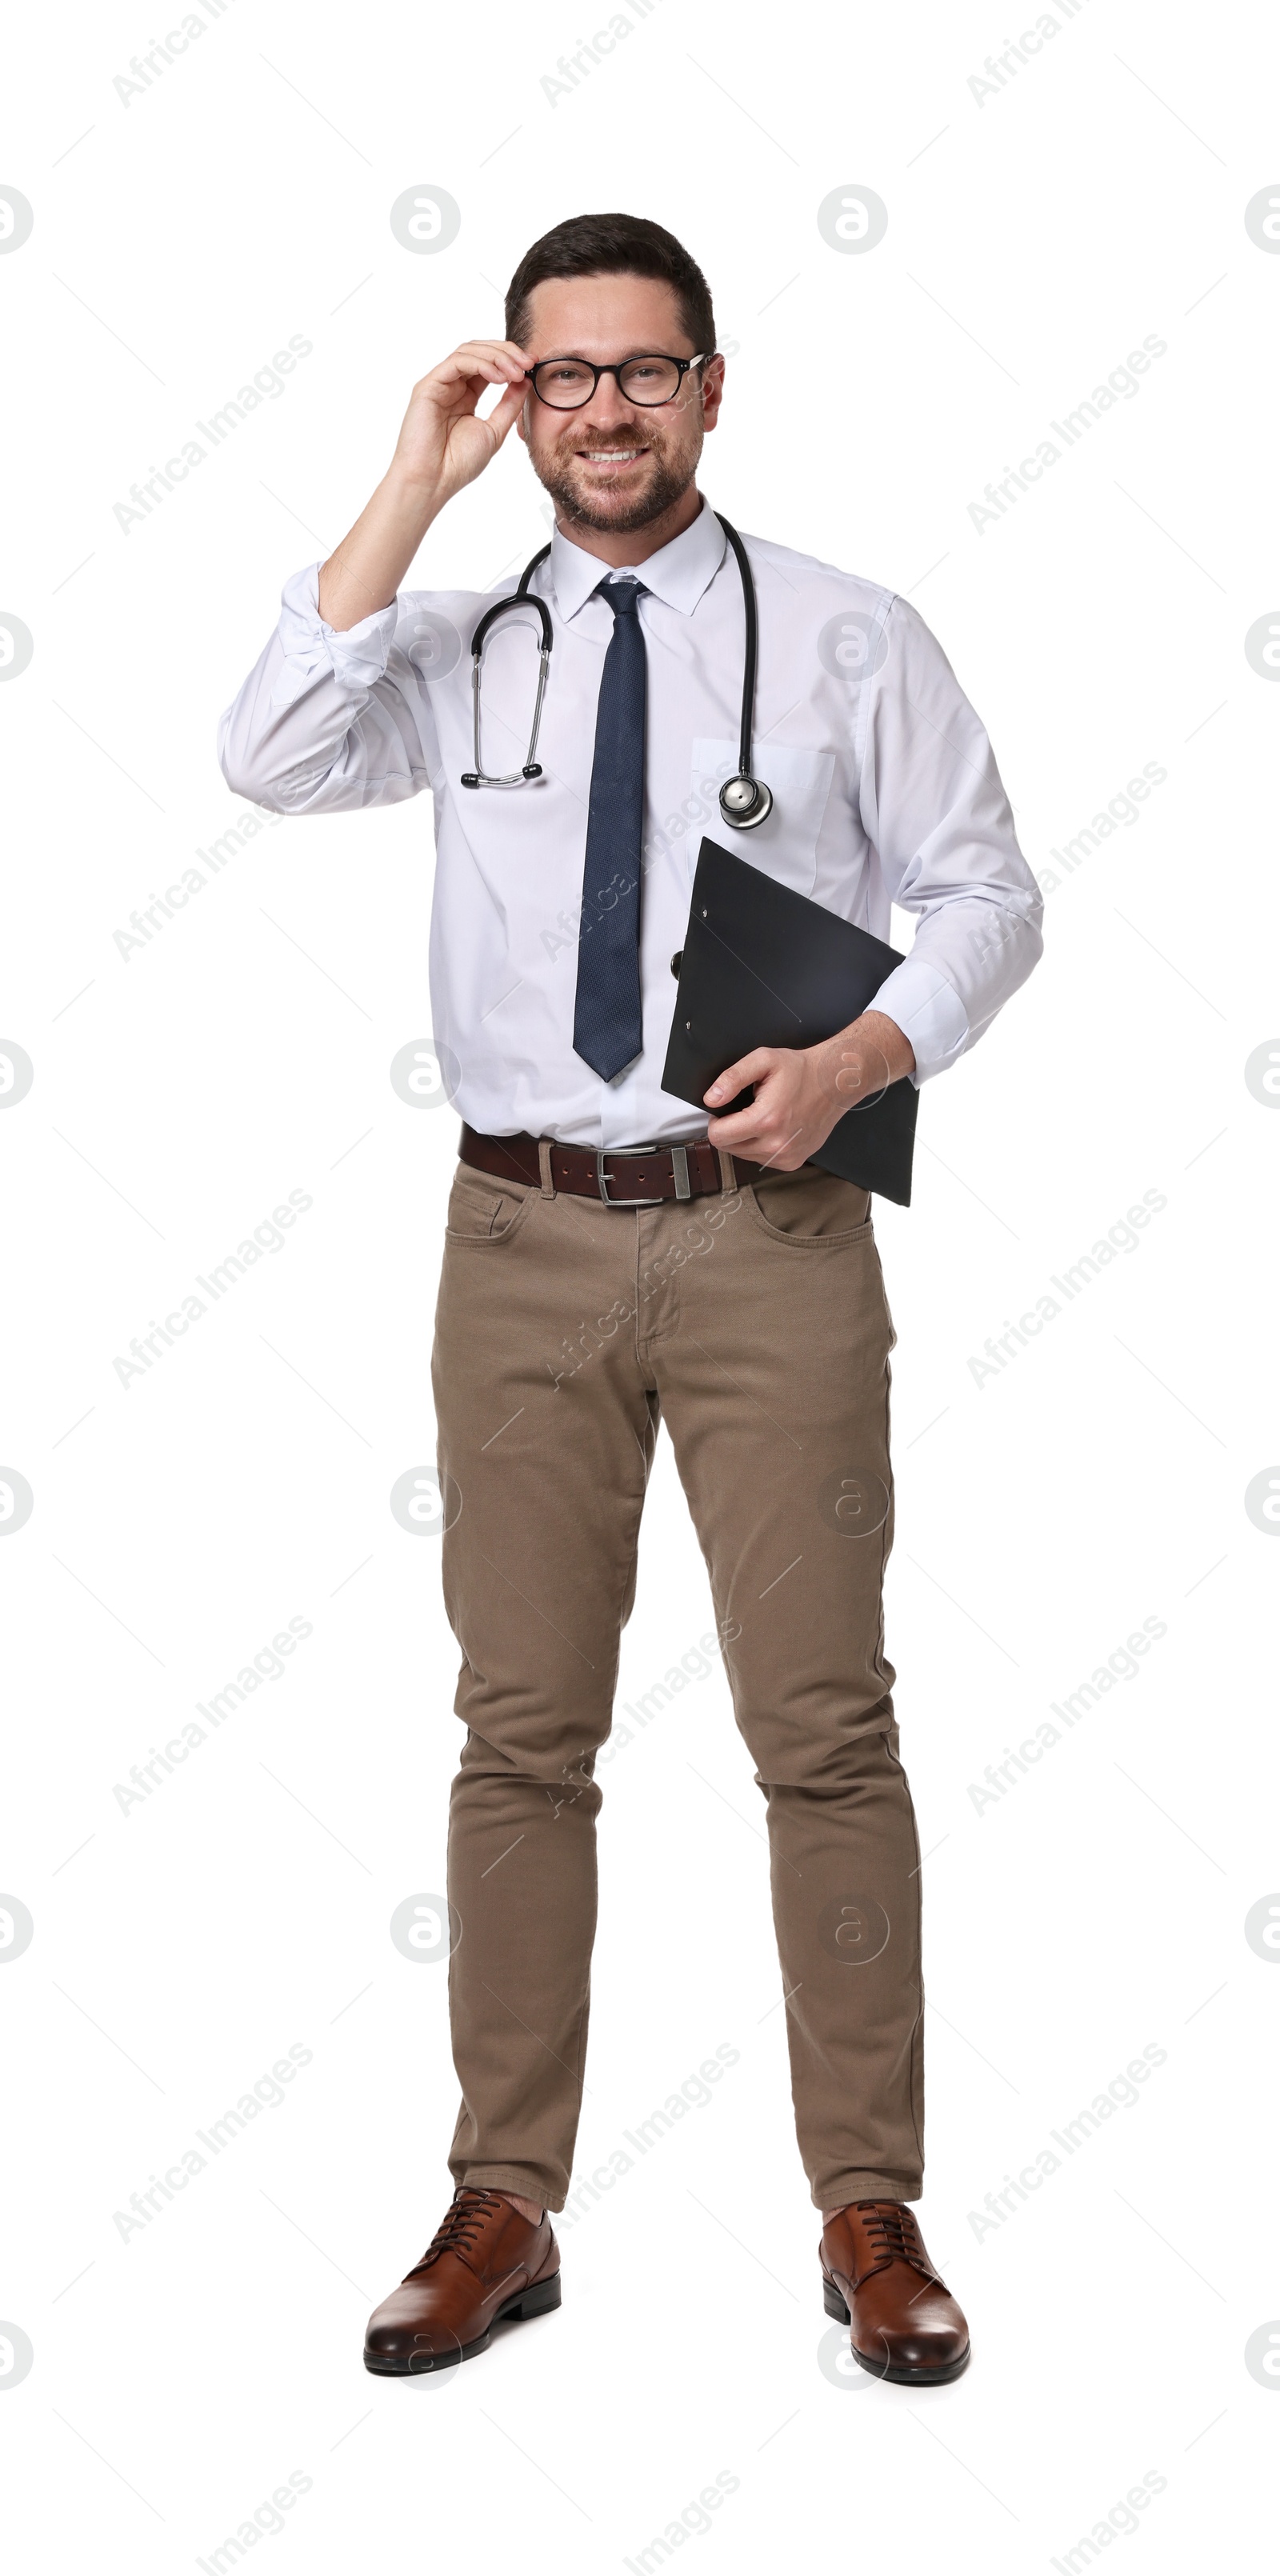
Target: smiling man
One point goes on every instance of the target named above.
(583, 1299)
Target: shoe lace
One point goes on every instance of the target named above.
(467, 2215)
(894, 2234)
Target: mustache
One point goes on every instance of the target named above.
(571, 446)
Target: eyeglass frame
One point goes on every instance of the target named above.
(683, 364)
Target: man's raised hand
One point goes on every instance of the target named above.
(442, 446)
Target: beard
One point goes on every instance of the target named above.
(672, 469)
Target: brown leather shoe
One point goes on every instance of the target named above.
(878, 2279)
(483, 2263)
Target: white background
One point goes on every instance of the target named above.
(1094, 1909)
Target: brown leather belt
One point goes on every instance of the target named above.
(639, 1177)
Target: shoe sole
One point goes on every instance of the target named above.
(533, 2302)
(835, 2307)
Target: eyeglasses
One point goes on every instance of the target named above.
(566, 384)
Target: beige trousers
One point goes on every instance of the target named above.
(755, 1324)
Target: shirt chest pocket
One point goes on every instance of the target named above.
(786, 845)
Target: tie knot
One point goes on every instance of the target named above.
(623, 596)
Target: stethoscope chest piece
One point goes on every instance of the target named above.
(745, 801)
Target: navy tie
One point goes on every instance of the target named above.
(607, 1030)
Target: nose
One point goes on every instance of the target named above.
(608, 407)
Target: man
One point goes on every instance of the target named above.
(611, 1257)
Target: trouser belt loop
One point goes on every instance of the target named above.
(728, 1176)
(544, 1167)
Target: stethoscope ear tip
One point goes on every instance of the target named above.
(470, 778)
(534, 770)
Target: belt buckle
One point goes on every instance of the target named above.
(602, 1177)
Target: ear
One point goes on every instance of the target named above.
(712, 392)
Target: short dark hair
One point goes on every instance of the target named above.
(614, 245)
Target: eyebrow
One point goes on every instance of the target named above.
(555, 355)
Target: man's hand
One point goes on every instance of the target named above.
(800, 1092)
(442, 446)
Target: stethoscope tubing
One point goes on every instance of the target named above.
(753, 798)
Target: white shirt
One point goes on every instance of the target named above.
(885, 790)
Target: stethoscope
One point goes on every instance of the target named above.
(744, 800)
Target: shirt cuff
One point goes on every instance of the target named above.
(928, 1010)
(356, 655)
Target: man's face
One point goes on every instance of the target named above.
(615, 464)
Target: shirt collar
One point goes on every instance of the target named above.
(677, 574)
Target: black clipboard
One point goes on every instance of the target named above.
(765, 966)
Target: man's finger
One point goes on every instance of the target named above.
(749, 1068)
(737, 1135)
(504, 413)
(474, 371)
(493, 363)
(509, 351)
(746, 1131)
(752, 1144)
